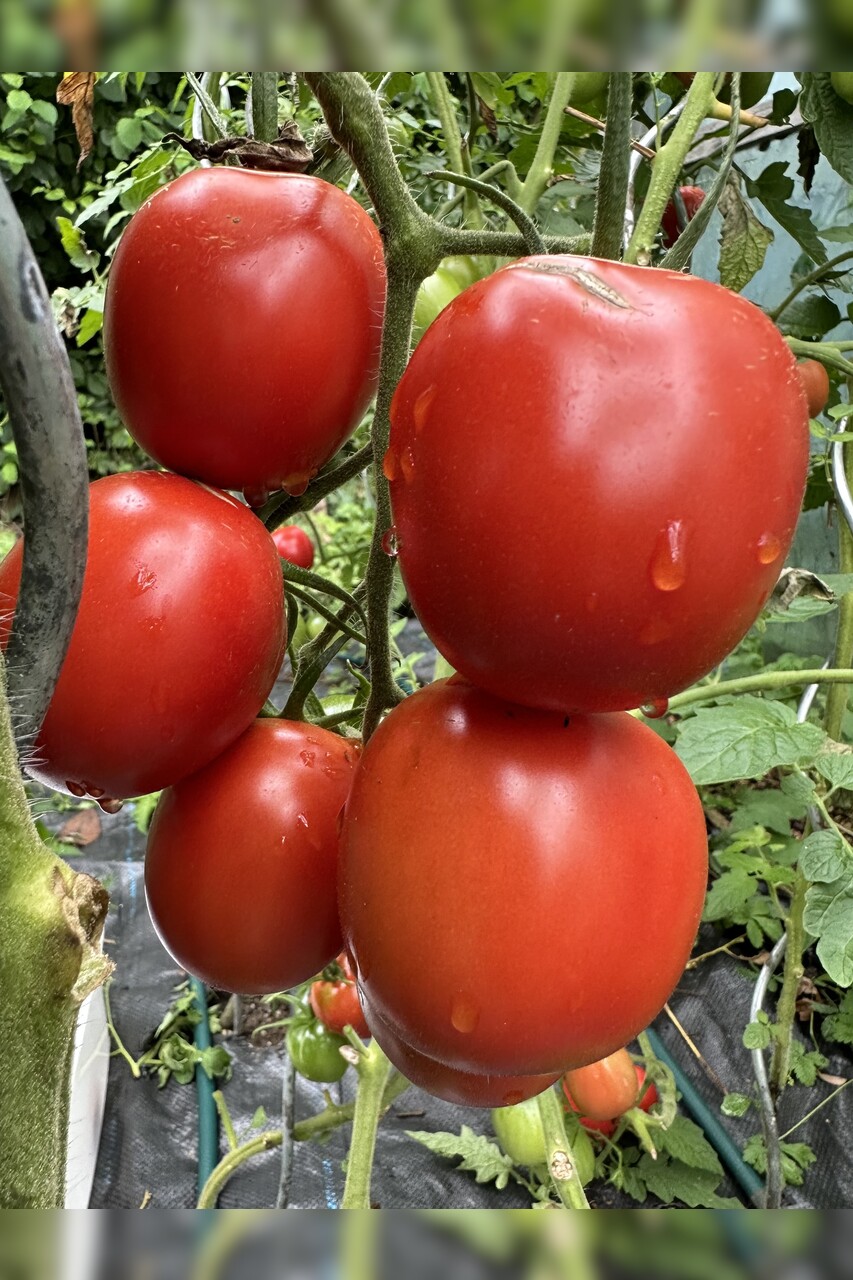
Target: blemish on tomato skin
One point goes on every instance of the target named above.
(668, 565)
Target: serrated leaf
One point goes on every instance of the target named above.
(829, 918)
(837, 768)
(478, 1154)
(671, 1180)
(796, 1156)
(825, 856)
(745, 740)
(728, 895)
(838, 1026)
(811, 316)
(805, 1064)
(773, 810)
(757, 1035)
(74, 244)
(774, 189)
(686, 1142)
(799, 787)
(743, 239)
(831, 118)
(735, 1104)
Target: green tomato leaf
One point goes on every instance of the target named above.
(796, 1157)
(735, 1104)
(671, 1180)
(728, 895)
(838, 1027)
(774, 188)
(743, 240)
(811, 316)
(831, 118)
(745, 740)
(686, 1142)
(805, 1064)
(825, 856)
(837, 768)
(477, 1153)
(757, 1035)
(829, 918)
(74, 244)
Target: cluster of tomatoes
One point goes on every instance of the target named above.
(595, 473)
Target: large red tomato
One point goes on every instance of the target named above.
(465, 1088)
(596, 471)
(242, 325)
(240, 868)
(178, 640)
(519, 890)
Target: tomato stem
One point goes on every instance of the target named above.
(373, 1070)
(533, 242)
(453, 143)
(561, 1165)
(667, 166)
(612, 192)
(813, 277)
(786, 1007)
(764, 683)
(542, 167)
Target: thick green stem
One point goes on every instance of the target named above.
(764, 683)
(836, 701)
(786, 1007)
(667, 166)
(453, 142)
(373, 1069)
(542, 168)
(561, 1164)
(806, 281)
(265, 105)
(528, 230)
(282, 506)
(505, 244)
(612, 193)
(828, 353)
(49, 962)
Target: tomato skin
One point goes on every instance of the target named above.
(645, 1099)
(693, 198)
(605, 1089)
(464, 1088)
(478, 828)
(316, 1052)
(815, 380)
(178, 640)
(293, 544)
(605, 428)
(336, 1005)
(240, 866)
(264, 358)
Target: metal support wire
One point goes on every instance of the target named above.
(769, 1118)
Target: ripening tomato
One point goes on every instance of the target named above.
(605, 1089)
(596, 471)
(692, 197)
(645, 1099)
(487, 845)
(815, 382)
(293, 544)
(335, 1001)
(242, 325)
(464, 1088)
(240, 866)
(177, 643)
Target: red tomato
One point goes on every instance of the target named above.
(607, 1126)
(815, 382)
(336, 1003)
(240, 868)
(178, 640)
(488, 844)
(692, 197)
(605, 1089)
(597, 470)
(242, 325)
(293, 544)
(464, 1088)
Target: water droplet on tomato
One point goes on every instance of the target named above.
(668, 565)
(302, 820)
(255, 497)
(94, 792)
(769, 548)
(296, 484)
(422, 407)
(75, 788)
(307, 758)
(654, 631)
(390, 465)
(111, 806)
(655, 709)
(464, 1013)
(407, 465)
(390, 542)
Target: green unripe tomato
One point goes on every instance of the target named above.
(315, 1052)
(587, 85)
(433, 296)
(842, 83)
(519, 1131)
(466, 270)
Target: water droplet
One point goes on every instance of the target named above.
(307, 758)
(331, 772)
(296, 484)
(654, 631)
(390, 542)
(668, 564)
(655, 709)
(407, 465)
(301, 819)
(111, 806)
(390, 465)
(75, 788)
(464, 1013)
(255, 497)
(422, 407)
(93, 791)
(769, 548)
